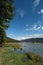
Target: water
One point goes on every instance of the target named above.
(31, 47)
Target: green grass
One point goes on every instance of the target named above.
(14, 45)
(1, 56)
(8, 57)
(12, 58)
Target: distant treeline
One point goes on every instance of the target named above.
(11, 40)
(38, 40)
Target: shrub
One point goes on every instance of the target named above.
(33, 56)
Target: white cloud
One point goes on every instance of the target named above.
(11, 34)
(42, 28)
(21, 12)
(30, 36)
(28, 29)
(36, 36)
(40, 12)
(36, 3)
(36, 27)
(20, 38)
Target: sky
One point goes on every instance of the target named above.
(28, 20)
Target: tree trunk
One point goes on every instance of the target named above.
(0, 44)
(1, 40)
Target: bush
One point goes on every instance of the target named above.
(33, 56)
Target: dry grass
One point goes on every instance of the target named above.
(17, 46)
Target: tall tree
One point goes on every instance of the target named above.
(6, 14)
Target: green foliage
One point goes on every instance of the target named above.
(12, 58)
(33, 56)
(6, 14)
(2, 35)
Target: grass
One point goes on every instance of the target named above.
(12, 58)
(8, 57)
(1, 56)
(14, 45)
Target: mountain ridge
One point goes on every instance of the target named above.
(33, 40)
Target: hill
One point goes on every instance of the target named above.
(40, 40)
(11, 40)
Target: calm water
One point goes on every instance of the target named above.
(31, 47)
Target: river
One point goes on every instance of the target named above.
(33, 47)
(36, 48)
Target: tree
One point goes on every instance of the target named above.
(2, 35)
(6, 14)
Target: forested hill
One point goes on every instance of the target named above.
(11, 40)
(40, 40)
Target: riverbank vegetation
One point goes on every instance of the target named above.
(14, 45)
(12, 58)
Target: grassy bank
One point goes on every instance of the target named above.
(1, 56)
(14, 45)
(12, 58)
(8, 57)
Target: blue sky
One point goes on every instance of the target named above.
(28, 20)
